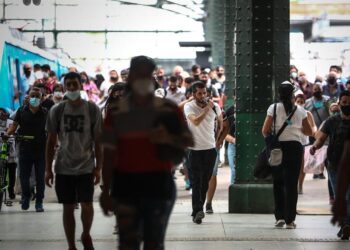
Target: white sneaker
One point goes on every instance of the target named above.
(280, 223)
(291, 225)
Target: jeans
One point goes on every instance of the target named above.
(26, 163)
(202, 164)
(285, 181)
(332, 175)
(143, 219)
(231, 154)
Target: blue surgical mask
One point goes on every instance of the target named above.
(73, 95)
(318, 105)
(34, 102)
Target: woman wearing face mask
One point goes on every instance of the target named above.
(58, 94)
(294, 76)
(90, 88)
(300, 101)
(134, 174)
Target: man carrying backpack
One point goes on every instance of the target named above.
(336, 128)
(76, 124)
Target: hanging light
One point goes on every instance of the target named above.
(36, 2)
(27, 2)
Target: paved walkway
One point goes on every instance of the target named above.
(30, 230)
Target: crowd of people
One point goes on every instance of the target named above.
(85, 127)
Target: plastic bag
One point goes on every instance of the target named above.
(314, 164)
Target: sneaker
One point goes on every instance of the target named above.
(87, 242)
(39, 208)
(291, 226)
(345, 232)
(280, 223)
(198, 218)
(12, 194)
(340, 233)
(209, 209)
(321, 176)
(25, 204)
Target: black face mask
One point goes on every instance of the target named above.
(160, 78)
(345, 110)
(27, 73)
(332, 81)
(196, 77)
(219, 75)
(113, 79)
(83, 80)
(317, 94)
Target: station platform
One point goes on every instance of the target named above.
(38, 231)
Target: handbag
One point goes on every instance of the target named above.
(262, 168)
(272, 143)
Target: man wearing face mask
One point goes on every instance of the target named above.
(76, 123)
(31, 119)
(336, 128)
(142, 187)
(317, 105)
(105, 86)
(173, 92)
(305, 85)
(332, 88)
(28, 79)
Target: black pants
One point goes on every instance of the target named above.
(285, 181)
(143, 219)
(201, 164)
(11, 167)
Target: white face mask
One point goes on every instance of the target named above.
(58, 94)
(143, 87)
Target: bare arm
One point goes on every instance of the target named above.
(220, 124)
(12, 129)
(50, 153)
(107, 168)
(225, 130)
(307, 129)
(230, 139)
(320, 140)
(266, 129)
(312, 123)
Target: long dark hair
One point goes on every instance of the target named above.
(285, 91)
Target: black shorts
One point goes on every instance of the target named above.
(71, 189)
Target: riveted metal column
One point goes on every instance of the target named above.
(261, 62)
(230, 68)
(214, 30)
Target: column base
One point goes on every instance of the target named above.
(251, 198)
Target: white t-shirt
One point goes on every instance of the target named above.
(176, 97)
(204, 133)
(293, 131)
(105, 87)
